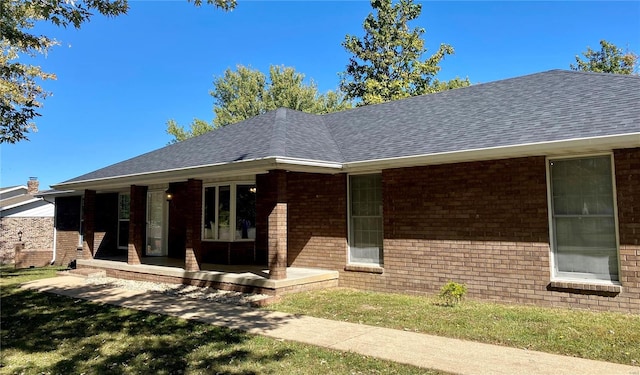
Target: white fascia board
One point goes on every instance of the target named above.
(56, 193)
(555, 148)
(308, 165)
(220, 170)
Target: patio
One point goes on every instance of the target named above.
(243, 278)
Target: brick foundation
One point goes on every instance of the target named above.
(139, 276)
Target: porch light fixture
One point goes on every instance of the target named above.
(19, 236)
(168, 195)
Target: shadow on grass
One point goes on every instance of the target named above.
(57, 334)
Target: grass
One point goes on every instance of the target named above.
(611, 337)
(50, 334)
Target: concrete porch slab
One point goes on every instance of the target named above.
(252, 277)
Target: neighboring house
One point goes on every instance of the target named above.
(526, 189)
(24, 219)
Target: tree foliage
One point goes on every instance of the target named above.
(386, 64)
(610, 59)
(245, 92)
(20, 90)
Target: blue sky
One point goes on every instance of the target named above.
(120, 79)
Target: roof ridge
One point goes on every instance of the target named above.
(278, 145)
(332, 136)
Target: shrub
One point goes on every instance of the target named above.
(452, 293)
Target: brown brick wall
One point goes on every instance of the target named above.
(193, 231)
(317, 225)
(483, 223)
(66, 247)
(627, 168)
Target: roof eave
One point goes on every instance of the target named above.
(553, 148)
(220, 170)
(263, 165)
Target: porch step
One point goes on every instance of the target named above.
(83, 272)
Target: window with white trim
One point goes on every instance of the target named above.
(365, 219)
(584, 240)
(229, 212)
(124, 202)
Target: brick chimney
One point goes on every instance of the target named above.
(32, 185)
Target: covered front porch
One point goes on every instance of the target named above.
(241, 278)
(229, 234)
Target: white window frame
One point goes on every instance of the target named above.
(349, 232)
(552, 238)
(233, 187)
(120, 219)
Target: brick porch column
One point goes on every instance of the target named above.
(277, 228)
(89, 224)
(137, 224)
(193, 216)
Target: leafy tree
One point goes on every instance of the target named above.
(19, 83)
(245, 93)
(387, 62)
(610, 59)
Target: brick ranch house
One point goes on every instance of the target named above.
(526, 189)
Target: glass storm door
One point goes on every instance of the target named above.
(156, 224)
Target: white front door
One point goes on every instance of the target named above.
(157, 215)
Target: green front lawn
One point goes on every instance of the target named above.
(611, 337)
(50, 334)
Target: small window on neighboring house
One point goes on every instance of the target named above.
(124, 203)
(584, 239)
(365, 219)
(229, 212)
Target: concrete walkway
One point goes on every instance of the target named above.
(426, 351)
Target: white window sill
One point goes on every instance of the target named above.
(225, 241)
(360, 267)
(585, 287)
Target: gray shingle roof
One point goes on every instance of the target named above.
(543, 107)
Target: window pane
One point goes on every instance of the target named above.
(209, 212)
(123, 206)
(224, 212)
(583, 218)
(246, 212)
(582, 186)
(366, 219)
